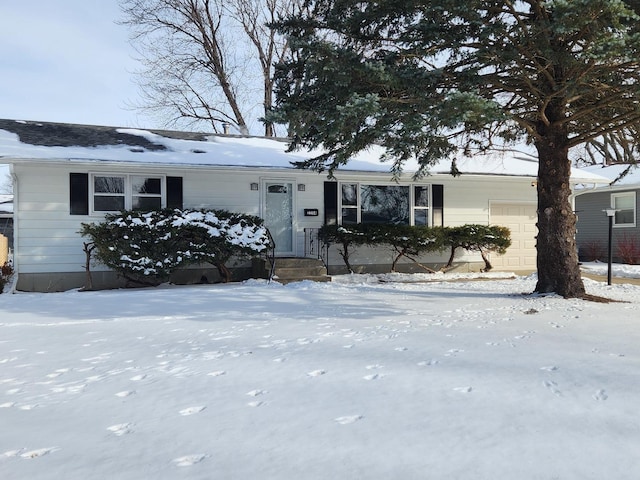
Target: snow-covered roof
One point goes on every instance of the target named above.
(621, 175)
(20, 140)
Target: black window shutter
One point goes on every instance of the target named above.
(79, 193)
(174, 192)
(330, 203)
(437, 199)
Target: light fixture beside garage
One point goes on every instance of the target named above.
(254, 186)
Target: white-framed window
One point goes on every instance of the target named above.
(115, 192)
(380, 203)
(625, 207)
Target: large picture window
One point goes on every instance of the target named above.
(625, 206)
(393, 204)
(112, 193)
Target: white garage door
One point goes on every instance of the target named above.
(521, 220)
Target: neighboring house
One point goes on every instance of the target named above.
(6, 228)
(622, 195)
(65, 175)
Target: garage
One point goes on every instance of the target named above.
(521, 220)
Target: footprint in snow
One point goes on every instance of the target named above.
(125, 393)
(255, 404)
(217, 373)
(192, 410)
(189, 460)
(428, 363)
(452, 352)
(316, 373)
(348, 419)
(551, 368)
(600, 396)
(120, 429)
(41, 452)
(553, 387)
(463, 389)
(137, 378)
(374, 376)
(256, 393)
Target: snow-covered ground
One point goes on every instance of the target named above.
(362, 378)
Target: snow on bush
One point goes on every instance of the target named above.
(146, 247)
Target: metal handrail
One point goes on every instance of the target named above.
(314, 247)
(271, 255)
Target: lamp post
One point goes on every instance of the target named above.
(610, 214)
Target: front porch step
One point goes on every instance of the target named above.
(296, 269)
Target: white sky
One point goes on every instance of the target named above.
(66, 61)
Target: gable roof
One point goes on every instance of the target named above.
(22, 141)
(619, 175)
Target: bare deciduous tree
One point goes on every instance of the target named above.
(6, 184)
(207, 61)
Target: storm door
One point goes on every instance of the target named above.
(278, 215)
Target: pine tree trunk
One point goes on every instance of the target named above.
(557, 260)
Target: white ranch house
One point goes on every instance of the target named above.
(64, 175)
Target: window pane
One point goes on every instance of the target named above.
(624, 217)
(623, 202)
(421, 196)
(349, 194)
(108, 184)
(349, 215)
(108, 203)
(145, 185)
(421, 216)
(385, 204)
(146, 203)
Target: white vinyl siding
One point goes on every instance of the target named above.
(48, 241)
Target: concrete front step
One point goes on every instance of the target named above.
(319, 278)
(289, 270)
(295, 272)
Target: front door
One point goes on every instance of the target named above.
(278, 215)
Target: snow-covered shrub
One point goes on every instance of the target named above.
(146, 247)
(216, 236)
(142, 247)
(346, 237)
(479, 238)
(406, 241)
(412, 241)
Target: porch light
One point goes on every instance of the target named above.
(254, 186)
(302, 187)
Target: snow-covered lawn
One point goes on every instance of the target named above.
(356, 379)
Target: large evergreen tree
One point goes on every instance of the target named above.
(432, 79)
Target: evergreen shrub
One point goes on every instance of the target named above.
(146, 247)
(412, 241)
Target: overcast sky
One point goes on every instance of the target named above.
(66, 61)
